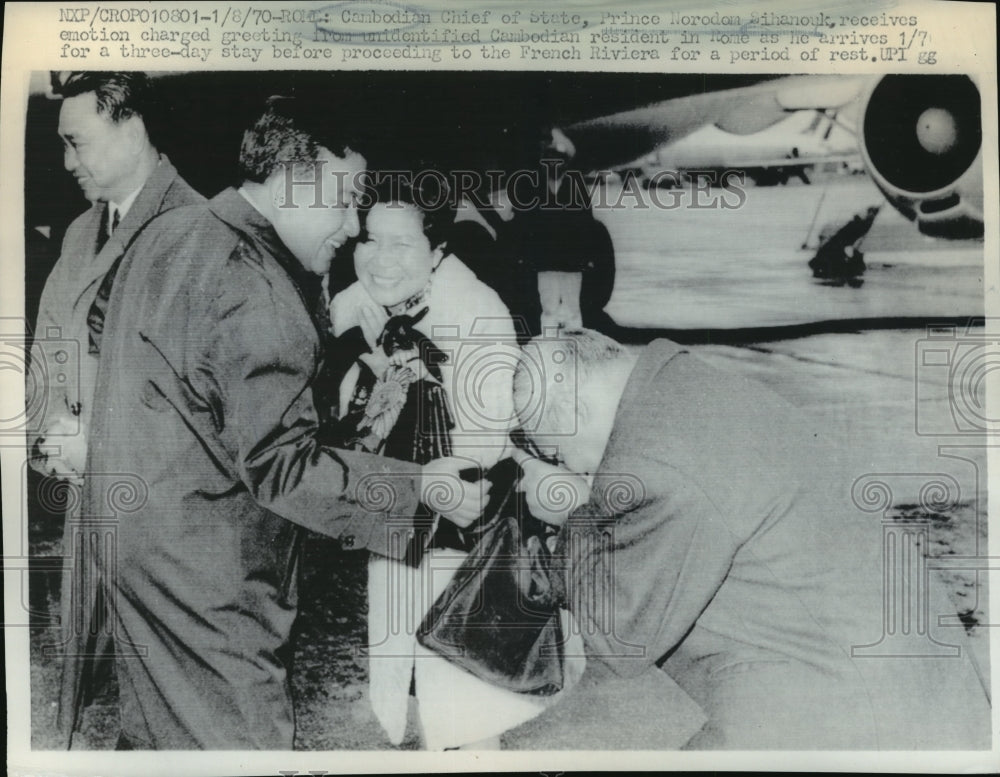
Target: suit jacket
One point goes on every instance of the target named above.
(203, 452)
(72, 286)
(722, 527)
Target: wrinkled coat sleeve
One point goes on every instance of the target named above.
(55, 401)
(258, 372)
(54, 313)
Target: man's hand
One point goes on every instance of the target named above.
(71, 436)
(552, 493)
(444, 491)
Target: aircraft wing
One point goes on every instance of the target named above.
(788, 163)
(618, 138)
(920, 136)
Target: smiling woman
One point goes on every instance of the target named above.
(418, 385)
(396, 260)
(410, 292)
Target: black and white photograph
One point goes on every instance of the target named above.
(419, 410)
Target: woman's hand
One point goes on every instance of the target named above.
(377, 361)
(552, 493)
(371, 319)
(444, 491)
(353, 307)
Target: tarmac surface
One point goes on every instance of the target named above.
(711, 268)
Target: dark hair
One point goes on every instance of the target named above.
(288, 132)
(430, 197)
(119, 95)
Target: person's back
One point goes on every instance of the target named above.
(748, 537)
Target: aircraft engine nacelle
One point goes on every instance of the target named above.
(921, 138)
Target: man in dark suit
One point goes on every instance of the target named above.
(107, 148)
(205, 411)
(718, 539)
(109, 151)
(539, 246)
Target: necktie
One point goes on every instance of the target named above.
(95, 316)
(108, 226)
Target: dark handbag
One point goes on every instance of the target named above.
(498, 618)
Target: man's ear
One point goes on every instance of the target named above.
(278, 194)
(135, 133)
(570, 412)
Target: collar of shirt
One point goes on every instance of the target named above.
(122, 208)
